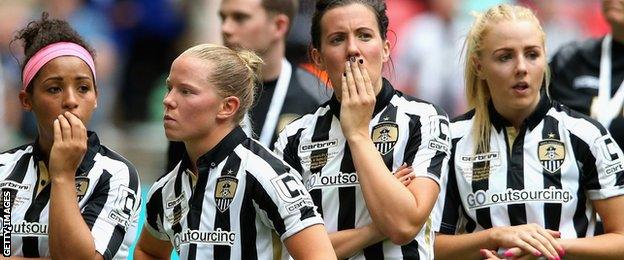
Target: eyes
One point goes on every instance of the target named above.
(507, 55)
(338, 38)
(82, 88)
(182, 90)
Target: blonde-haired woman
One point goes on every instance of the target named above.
(527, 175)
(229, 197)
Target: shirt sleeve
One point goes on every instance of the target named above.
(432, 156)
(286, 149)
(112, 212)
(447, 211)
(287, 204)
(154, 213)
(604, 175)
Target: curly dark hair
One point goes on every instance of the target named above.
(41, 33)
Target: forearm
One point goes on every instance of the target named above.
(67, 227)
(464, 246)
(606, 246)
(347, 242)
(391, 205)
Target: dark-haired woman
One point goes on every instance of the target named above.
(67, 195)
(346, 150)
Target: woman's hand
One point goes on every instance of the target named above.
(530, 238)
(405, 174)
(357, 100)
(69, 147)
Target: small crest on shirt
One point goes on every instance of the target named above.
(82, 185)
(385, 136)
(551, 154)
(225, 191)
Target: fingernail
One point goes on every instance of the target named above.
(361, 61)
(508, 253)
(483, 252)
(352, 59)
(537, 253)
(562, 251)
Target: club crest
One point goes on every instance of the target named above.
(82, 185)
(551, 154)
(385, 136)
(225, 191)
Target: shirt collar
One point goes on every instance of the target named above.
(382, 99)
(531, 122)
(223, 149)
(93, 147)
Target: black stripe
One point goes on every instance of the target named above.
(481, 183)
(290, 151)
(452, 200)
(95, 203)
(247, 219)
(515, 178)
(194, 215)
(115, 242)
(374, 251)
(389, 114)
(321, 133)
(552, 211)
(410, 251)
(264, 201)
(30, 245)
(154, 209)
(414, 140)
(346, 195)
(436, 162)
(222, 219)
(587, 167)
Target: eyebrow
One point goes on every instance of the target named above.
(509, 49)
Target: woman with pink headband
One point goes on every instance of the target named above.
(65, 196)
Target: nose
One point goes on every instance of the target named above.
(521, 66)
(70, 100)
(226, 28)
(168, 100)
(353, 49)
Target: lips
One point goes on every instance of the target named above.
(168, 118)
(520, 86)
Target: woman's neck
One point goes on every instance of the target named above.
(45, 143)
(516, 116)
(200, 146)
(618, 34)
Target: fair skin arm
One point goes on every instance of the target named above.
(347, 242)
(531, 237)
(67, 226)
(605, 246)
(310, 243)
(401, 212)
(149, 247)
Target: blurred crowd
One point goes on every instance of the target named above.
(136, 41)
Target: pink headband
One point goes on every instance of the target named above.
(50, 52)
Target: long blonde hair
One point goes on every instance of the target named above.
(234, 73)
(477, 91)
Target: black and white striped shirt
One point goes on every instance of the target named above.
(559, 162)
(242, 203)
(108, 191)
(403, 129)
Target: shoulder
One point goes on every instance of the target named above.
(306, 120)
(259, 161)
(11, 156)
(416, 106)
(461, 125)
(116, 164)
(577, 123)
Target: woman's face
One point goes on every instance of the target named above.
(191, 104)
(512, 62)
(63, 84)
(348, 31)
